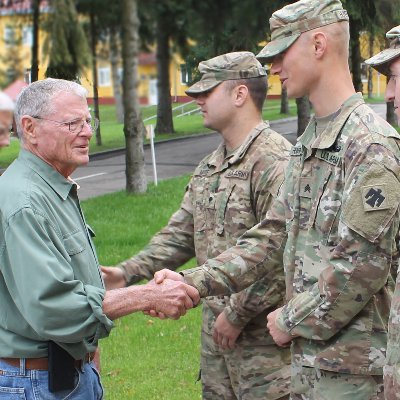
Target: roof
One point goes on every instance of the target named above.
(14, 89)
(9, 7)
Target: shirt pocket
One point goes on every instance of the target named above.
(75, 243)
(325, 212)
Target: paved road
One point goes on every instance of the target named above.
(106, 173)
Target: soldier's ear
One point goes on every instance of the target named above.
(319, 43)
(29, 128)
(241, 94)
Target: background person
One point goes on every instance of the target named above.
(54, 308)
(6, 118)
(230, 191)
(387, 62)
(338, 212)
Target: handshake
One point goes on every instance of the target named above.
(166, 296)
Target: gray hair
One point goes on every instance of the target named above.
(6, 104)
(36, 99)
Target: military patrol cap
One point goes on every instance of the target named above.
(230, 66)
(381, 61)
(288, 23)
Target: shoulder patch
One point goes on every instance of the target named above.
(372, 202)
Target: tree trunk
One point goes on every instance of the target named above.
(164, 107)
(370, 70)
(35, 40)
(284, 102)
(133, 124)
(116, 81)
(355, 28)
(93, 43)
(303, 114)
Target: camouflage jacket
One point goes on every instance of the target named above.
(338, 217)
(225, 197)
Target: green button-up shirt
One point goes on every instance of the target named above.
(50, 283)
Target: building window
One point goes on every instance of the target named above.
(27, 35)
(9, 35)
(364, 72)
(104, 76)
(186, 74)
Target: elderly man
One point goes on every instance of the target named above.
(54, 308)
(6, 118)
(338, 212)
(387, 62)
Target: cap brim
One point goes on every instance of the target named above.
(381, 60)
(275, 47)
(202, 86)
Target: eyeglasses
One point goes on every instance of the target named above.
(75, 126)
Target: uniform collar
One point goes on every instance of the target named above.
(218, 158)
(330, 135)
(52, 177)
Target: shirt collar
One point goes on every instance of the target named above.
(218, 157)
(52, 177)
(329, 136)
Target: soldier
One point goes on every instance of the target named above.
(230, 191)
(387, 62)
(338, 212)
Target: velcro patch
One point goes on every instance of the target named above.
(306, 187)
(372, 202)
(297, 150)
(237, 173)
(330, 157)
(375, 198)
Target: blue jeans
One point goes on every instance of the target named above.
(19, 383)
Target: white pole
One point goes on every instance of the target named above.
(379, 84)
(153, 154)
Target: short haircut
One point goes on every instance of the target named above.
(36, 99)
(257, 88)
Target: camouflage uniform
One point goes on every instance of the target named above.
(337, 217)
(227, 195)
(382, 62)
(339, 208)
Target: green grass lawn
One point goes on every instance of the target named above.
(144, 358)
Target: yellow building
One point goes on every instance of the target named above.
(15, 60)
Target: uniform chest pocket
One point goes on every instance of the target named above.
(326, 207)
(75, 243)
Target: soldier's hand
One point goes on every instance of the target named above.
(281, 338)
(225, 334)
(159, 276)
(172, 299)
(113, 277)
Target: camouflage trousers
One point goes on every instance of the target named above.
(249, 372)
(315, 384)
(392, 382)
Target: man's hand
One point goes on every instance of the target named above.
(113, 277)
(159, 276)
(281, 338)
(225, 334)
(171, 299)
